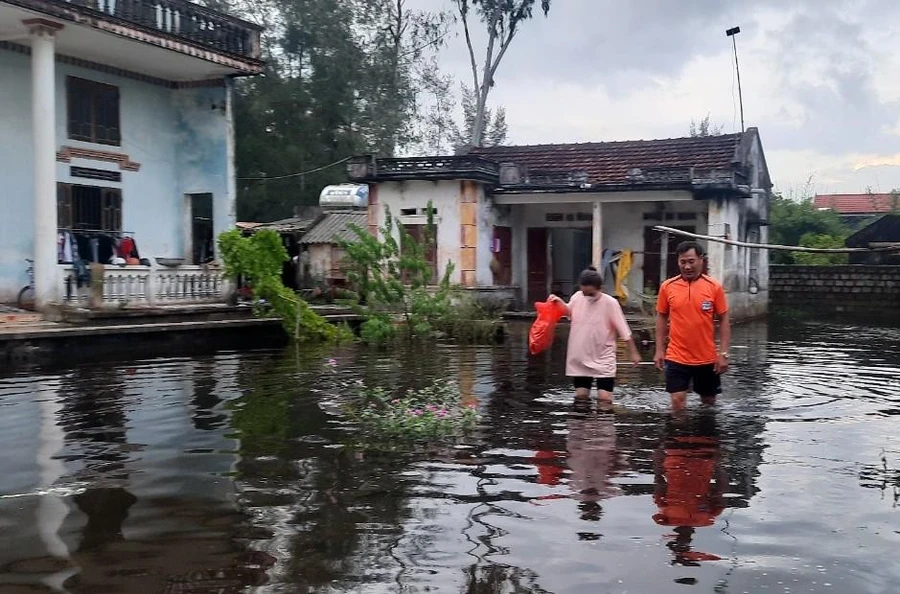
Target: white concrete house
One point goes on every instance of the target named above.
(117, 124)
(525, 220)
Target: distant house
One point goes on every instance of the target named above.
(322, 255)
(522, 220)
(882, 233)
(118, 145)
(857, 210)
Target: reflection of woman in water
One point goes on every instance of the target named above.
(690, 483)
(593, 460)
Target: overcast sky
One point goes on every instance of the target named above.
(821, 80)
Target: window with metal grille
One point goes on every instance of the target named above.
(93, 111)
(89, 208)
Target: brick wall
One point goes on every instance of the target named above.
(843, 289)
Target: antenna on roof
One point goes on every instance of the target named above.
(733, 33)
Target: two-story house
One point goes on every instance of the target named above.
(117, 145)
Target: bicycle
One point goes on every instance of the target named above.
(26, 299)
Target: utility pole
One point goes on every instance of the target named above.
(733, 33)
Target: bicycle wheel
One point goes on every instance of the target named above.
(26, 298)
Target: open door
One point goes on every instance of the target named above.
(502, 250)
(652, 252)
(537, 264)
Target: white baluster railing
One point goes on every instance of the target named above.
(142, 286)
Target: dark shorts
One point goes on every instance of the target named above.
(703, 378)
(603, 383)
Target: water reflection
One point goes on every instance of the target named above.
(232, 473)
(690, 482)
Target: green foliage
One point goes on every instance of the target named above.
(258, 259)
(821, 241)
(502, 20)
(342, 77)
(395, 421)
(393, 277)
(791, 220)
(705, 128)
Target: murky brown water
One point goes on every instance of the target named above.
(227, 473)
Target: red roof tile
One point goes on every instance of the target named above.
(609, 162)
(857, 203)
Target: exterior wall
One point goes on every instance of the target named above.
(320, 261)
(867, 290)
(182, 145)
(623, 229)
(738, 268)
(445, 197)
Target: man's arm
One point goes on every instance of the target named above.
(662, 335)
(724, 342)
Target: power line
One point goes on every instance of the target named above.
(298, 174)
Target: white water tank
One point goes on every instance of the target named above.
(344, 197)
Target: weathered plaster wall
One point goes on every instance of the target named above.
(445, 197)
(181, 143)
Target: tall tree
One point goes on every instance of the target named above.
(342, 77)
(704, 128)
(495, 128)
(502, 20)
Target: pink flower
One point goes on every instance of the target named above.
(472, 405)
(442, 413)
(331, 362)
(395, 401)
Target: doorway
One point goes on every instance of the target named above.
(537, 264)
(202, 243)
(653, 251)
(502, 249)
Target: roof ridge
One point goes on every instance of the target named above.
(735, 136)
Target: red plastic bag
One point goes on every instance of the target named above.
(540, 337)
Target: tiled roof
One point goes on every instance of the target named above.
(290, 225)
(857, 203)
(335, 226)
(609, 162)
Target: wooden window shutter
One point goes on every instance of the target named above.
(112, 209)
(64, 206)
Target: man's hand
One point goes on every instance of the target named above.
(554, 299)
(635, 358)
(721, 365)
(659, 359)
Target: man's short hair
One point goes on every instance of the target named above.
(686, 246)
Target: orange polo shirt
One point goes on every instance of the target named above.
(691, 307)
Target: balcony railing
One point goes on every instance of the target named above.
(181, 18)
(142, 286)
(408, 168)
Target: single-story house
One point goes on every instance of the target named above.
(525, 220)
(321, 256)
(885, 232)
(857, 210)
(117, 147)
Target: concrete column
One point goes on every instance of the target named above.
(43, 115)
(716, 251)
(231, 181)
(597, 236)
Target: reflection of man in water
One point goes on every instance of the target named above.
(690, 483)
(593, 460)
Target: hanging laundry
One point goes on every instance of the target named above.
(626, 261)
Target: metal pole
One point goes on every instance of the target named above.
(738, 69)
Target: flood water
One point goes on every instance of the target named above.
(230, 473)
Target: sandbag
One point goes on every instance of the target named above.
(540, 337)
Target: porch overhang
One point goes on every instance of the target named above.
(169, 40)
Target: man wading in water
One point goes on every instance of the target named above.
(597, 320)
(686, 308)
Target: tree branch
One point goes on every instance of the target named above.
(463, 13)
